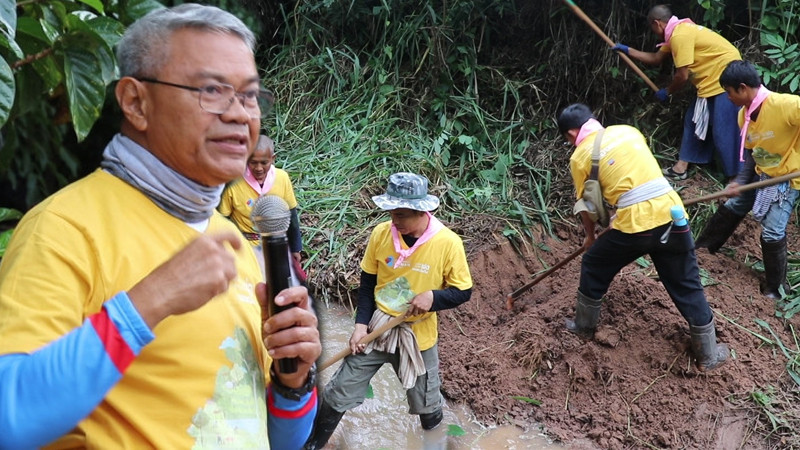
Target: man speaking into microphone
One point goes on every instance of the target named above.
(130, 310)
(413, 265)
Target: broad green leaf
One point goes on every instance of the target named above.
(32, 28)
(104, 53)
(7, 89)
(96, 4)
(137, 9)
(12, 45)
(8, 17)
(85, 89)
(455, 430)
(9, 214)
(370, 392)
(52, 20)
(109, 29)
(770, 23)
(5, 236)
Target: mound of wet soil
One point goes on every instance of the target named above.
(634, 385)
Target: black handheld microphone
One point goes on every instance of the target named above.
(271, 217)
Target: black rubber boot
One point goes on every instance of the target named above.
(774, 257)
(324, 426)
(718, 229)
(707, 352)
(587, 314)
(432, 420)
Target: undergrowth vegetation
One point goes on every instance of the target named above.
(465, 93)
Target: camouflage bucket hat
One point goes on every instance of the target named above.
(407, 190)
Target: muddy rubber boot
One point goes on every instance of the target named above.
(324, 425)
(707, 352)
(432, 420)
(587, 314)
(718, 229)
(774, 257)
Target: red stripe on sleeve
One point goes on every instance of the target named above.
(116, 347)
(284, 414)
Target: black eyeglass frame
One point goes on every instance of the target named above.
(264, 94)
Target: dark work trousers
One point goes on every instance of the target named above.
(675, 261)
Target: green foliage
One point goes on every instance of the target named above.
(7, 215)
(529, 400)
(714, 11)
(455, 430)
(56, 64)
(792, 354)
(780, 43)
(396, 87)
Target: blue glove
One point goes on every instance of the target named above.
(662, 95)
(621, 48)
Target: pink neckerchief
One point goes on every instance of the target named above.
(589, 127)
(673, 22)
(761, 95)
(434, 225)
(261, 189)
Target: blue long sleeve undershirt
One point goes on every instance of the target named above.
(45, 394)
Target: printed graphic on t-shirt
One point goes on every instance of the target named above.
(395, 295)
(236, 415)
(766, 159)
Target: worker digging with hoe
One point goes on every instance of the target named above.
(646, 206)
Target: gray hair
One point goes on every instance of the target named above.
(142, 50)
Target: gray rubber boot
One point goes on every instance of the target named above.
(775, 264)
(324, 425)
(587, 315)
(707, 352)
(718, 229)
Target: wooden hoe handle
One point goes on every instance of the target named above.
(365, 340)
(597, 30)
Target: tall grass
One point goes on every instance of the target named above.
(386, 90)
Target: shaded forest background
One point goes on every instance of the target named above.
(465, 92)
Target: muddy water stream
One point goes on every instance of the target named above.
(383, 422)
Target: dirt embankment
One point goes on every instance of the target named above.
(633, 385)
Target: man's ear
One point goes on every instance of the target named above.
(572, 135)
(132, 99)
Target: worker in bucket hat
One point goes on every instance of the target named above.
(413, 266)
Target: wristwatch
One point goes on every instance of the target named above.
(293, 393)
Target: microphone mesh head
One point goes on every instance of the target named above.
(270, 215)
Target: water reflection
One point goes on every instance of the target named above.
(383, 422)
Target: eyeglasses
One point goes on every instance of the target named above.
(217, 98)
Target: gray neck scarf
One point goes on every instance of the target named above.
(174, 193)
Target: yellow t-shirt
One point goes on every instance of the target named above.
(436, 264)
(774, 136)
(202, 379)
(238, 199)
(625, 162)
(706, 54)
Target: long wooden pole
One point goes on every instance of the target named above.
(600, 32)
(724, 192)
(743, 188)
(395, 321)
